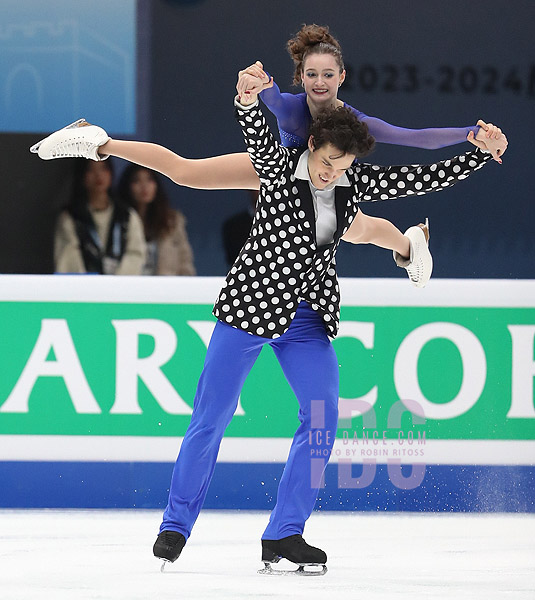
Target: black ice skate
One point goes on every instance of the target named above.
(168, 546)
(296, 550)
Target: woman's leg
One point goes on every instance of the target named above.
(229, 358)
(411, 249)
(227, 172)
(379, 232)
(309, 362)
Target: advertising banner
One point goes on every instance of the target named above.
(104, 370)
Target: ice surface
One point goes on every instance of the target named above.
(108, 555)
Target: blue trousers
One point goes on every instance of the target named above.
(309, 363)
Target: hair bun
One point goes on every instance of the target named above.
(305, 39)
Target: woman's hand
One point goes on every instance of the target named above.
(251, 81)
(257, 70)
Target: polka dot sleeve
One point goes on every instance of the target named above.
(269, 158)
(375, 182)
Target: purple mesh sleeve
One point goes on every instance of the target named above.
(430, 139)
(291, 111)
(293, 118)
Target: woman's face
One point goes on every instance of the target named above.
(321, 78)
(143, 187)
(97, 178)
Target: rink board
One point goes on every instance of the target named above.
(253, 486)
(99, 375)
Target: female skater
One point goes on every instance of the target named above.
(319, 68)
(294, 112)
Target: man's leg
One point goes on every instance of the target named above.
(309, 362)
(229, 358)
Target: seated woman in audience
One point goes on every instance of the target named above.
(96, 233)
(168, 248)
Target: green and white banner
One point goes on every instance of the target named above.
(105, 368)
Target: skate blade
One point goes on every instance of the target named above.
(35, 148)
(425, 228)
(163, 565)
(268, 570)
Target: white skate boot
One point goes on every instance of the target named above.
(419, 265)
(78, 140)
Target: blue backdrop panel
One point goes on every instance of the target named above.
(62, 60)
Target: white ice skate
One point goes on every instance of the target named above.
(77, 140)
(419, 265)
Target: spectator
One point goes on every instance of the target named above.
(96, 233)
(168, 248)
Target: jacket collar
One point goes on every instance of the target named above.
(342, 195)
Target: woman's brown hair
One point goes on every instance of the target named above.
(312, 39)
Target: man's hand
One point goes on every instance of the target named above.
(489, 138)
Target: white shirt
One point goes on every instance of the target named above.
(323, 200)
(324, 207)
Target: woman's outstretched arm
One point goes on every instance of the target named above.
(438, 137)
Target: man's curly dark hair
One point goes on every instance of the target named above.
(341, 128)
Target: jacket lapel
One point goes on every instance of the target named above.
(342, 198)
(305, 195)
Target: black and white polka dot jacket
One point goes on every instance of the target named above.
(280, 264)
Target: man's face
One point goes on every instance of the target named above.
(326, 164)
